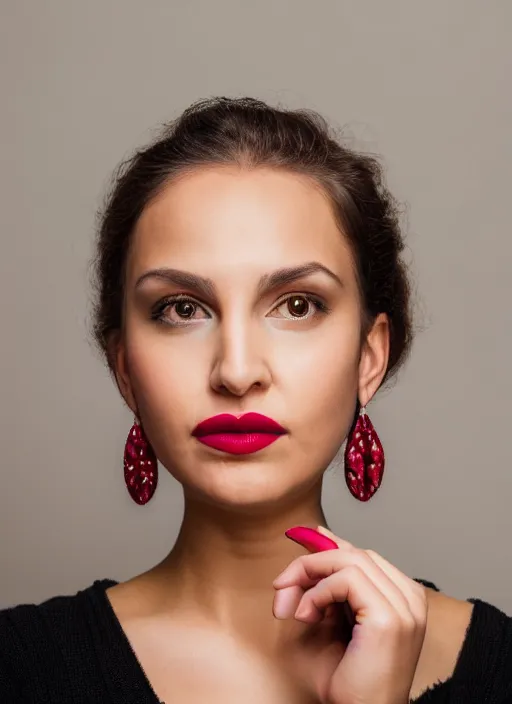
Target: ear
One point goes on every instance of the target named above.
(118, 363)
(374, 359)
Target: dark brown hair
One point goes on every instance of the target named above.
(250, 133)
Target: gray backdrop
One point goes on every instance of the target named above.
(424, 84)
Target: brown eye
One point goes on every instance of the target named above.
(179, 311)
(185, 309)
(298, 306)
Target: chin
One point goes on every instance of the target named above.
(250, 505)
(248, 488)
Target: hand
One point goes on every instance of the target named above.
(390, 615)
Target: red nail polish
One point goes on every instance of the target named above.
(311, 539)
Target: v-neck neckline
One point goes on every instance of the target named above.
(124, 673)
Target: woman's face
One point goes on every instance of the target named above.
(241, 296)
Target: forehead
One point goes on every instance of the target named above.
(257, 219)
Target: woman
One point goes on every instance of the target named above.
(251, 302)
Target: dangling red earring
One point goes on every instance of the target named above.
(364, 458)
(140, 465)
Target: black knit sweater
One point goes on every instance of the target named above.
(72, 650)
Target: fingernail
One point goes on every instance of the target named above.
(302, 611)
(311, 539)
(282, 608)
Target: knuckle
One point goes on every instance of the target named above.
(362, 559)
(422, 595)
(302, 560)
(308, 560)
(353, 572)
(392, 623)
(309, 566)
(409, 624)
(353, 553)
(372, 555)
(421, 601)
(386, 622)
(421, 616)
(318, 565)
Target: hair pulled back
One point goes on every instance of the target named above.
(250, 133)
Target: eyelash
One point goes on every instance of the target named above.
(157, 313)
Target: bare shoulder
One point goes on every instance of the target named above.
(124, 598)
(137, 598)
(447, 625)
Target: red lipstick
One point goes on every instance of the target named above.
(238, 436)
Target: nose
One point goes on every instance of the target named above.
(240, 364)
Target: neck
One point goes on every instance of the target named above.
(224, 562)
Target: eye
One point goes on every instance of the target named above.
(299, 307)
(178, 310)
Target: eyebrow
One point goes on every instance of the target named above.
(267, 283)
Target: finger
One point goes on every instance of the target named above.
(393, 572)
(412, 591)
(308, 570)
(286, 602)
(335, 538)
(353, 586)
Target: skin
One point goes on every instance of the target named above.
(239, 348)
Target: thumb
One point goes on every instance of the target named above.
(329, 534)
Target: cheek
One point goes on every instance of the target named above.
(167, 377)
(321, 378)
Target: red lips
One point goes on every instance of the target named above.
(239, 436)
